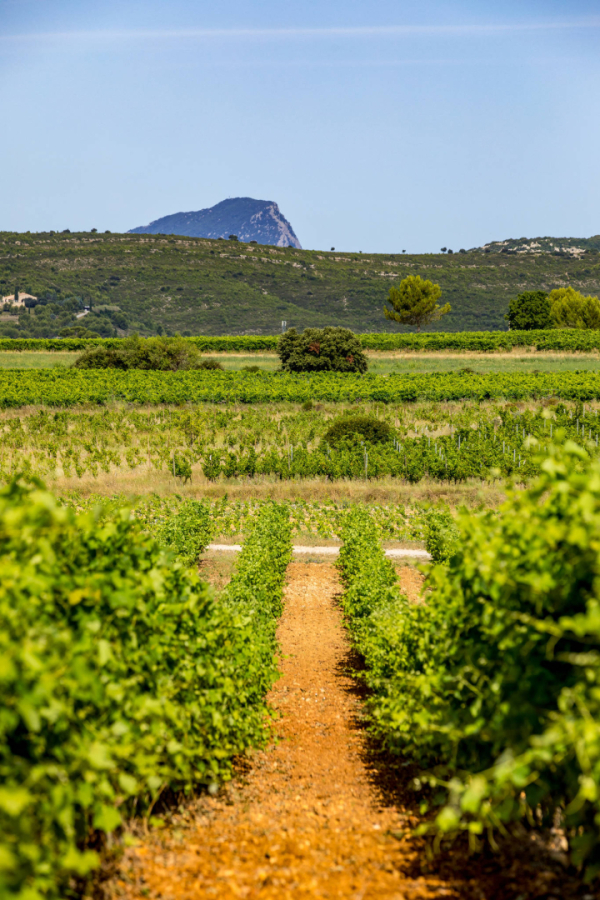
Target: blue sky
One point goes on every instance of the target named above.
(377, 126)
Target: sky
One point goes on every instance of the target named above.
(382, 126)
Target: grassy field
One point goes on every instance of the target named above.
(380, 363)
(200, 286)
(517, 361)
(384, 363)
(36, 360)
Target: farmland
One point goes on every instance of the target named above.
(344, 721)
(274, 443)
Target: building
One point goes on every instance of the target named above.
(10, 298)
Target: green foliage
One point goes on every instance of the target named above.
(370, 429)
(78, 331)
(229, 287)
(570, 309)
(211, 466)
(188, 532)
(211, 364)
(530, 311)
(492, 685)
(321, 350)
(160, 354)
(437, 528)
(550, 339)
(235, 518)
(121, 678)
(415, 302)
(182, 468)
(70, 387)
(439, 441)
(256, 591)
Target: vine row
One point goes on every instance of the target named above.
(122, 680)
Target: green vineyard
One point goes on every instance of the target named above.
(151, 669)
(564, 340)
(74, 387)
(491, 687)
(450, 444)
(121, 677)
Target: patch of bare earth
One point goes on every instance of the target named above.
(304, 818)
(217, 568)
(411, 582)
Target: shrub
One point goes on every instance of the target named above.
(367, 428)
(210, 364)
(321, 350)
(159, 353)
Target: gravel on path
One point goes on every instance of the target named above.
(303, 819)
(331, 551)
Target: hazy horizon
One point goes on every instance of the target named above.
(404, 126)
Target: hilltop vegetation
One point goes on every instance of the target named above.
(572, 247)
(157, 283)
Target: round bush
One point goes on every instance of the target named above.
(210, 364)
(329, 349)
(367, 428)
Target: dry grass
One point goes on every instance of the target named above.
(479, 354)
(384, 491)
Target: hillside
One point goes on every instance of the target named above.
(573, 247)
(149, 282)
(259, 221)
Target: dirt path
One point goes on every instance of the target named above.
(304, 820)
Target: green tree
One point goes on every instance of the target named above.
(570, 309)
(415, 302)
(321, 350)
(529, 311)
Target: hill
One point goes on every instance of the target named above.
(259, 221)
(573, 247)
(149, 283)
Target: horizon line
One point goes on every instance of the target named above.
(334, 31)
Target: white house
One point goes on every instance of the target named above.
(10, 298)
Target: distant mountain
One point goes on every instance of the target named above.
(248, 219)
